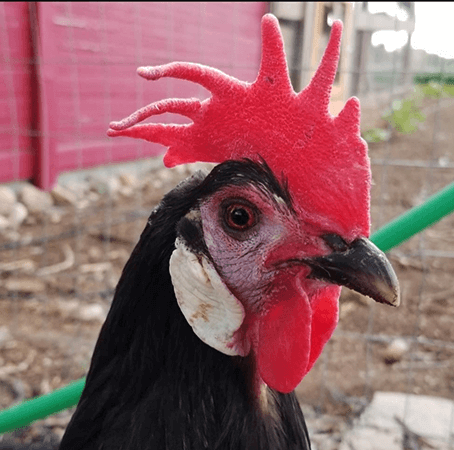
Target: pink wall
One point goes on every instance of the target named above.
(88, 55)
(16, 157)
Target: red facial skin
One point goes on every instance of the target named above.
(289, 317)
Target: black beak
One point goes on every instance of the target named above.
(360, 266)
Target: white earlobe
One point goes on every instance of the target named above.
(213, 312)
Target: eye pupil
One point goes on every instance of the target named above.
(240, 217)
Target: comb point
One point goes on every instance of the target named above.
(215, 81)
(350, 113)
(273, 66)
(319, 89)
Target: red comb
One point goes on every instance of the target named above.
(323, 158)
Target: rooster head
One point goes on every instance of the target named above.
(282, 222)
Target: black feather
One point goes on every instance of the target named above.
(152, 383)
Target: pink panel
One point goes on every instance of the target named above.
(89, 53)
(16, 158)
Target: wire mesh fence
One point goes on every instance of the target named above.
(61, 254)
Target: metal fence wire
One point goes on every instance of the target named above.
(62, 252)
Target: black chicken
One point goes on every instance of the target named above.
(231, 292)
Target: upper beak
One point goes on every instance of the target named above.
(360, 266)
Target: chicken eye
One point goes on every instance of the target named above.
(240, 217)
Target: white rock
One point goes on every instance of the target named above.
(106, 185)
(92, 312)
(7, 200)
(128, 179)
(5, 335)
(59, 431)
(68, 308)
(26, 238)
(95, 267)
(35, 200)
(165, 175)
(63, 196)
(82, 204)
(36, 250)
(55, 216)
(156, 184)
(25, 285)
(78, 188)
(18, 214)
(121, 253)
(19, 265)
(427, 416)
(372, 439)
(113, 185)
(92, 197)
(127, 191)
(95, 253)
(204, 167)
(396, 350)
(112, 278)
(377, 428)
(4, 223)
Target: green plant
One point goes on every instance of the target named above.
(431, 90)
(448, 89)
(404, 115)
(377, 135)
(441, 78)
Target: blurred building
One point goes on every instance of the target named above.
(362, 67)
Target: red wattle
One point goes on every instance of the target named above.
(325, 316)
(284, 342)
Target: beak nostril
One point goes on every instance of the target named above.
(335, 242)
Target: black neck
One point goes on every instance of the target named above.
(153, 384)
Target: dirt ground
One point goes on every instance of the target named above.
(48, 333)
